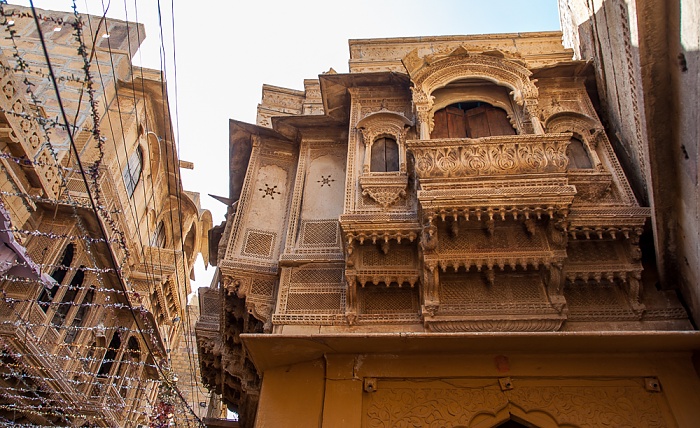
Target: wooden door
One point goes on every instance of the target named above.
(486, 121)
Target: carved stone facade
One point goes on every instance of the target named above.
(455, 190)
(82, 339)
(654, 120)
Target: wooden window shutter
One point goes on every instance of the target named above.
(385, 155)
(449, 123)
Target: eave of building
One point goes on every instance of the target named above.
(293, 127)
(275, 350)
(149, 84)
(334, 89)
(572, 68)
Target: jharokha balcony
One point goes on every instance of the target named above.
(502, 176)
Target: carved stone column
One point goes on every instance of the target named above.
(431, 276)
(351, 299)
(423, 115)
(368, 152)
(423, 104)
(531, 109)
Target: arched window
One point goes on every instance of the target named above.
(66, 304)
(129, 366)
(385, 155)
(85, 305)
(132, 171)
(159, 237)
(471, 120)
(110, 355)
(578, 157)
(47, 294)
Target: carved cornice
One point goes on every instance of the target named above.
(489, 260)
(604, 222)
(386, 276)
(456, 324)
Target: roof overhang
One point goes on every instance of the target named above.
(274, 350)
(334, 89)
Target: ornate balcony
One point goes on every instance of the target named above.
(503, 175)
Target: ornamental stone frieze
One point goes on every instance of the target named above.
(490, 156)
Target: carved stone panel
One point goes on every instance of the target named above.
(502, 155)
(311, 294)
(487, 403)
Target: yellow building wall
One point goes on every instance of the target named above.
(483, 390)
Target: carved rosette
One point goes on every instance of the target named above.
(385, 189)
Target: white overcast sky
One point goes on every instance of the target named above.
(225, 50)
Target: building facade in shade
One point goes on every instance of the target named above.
(96, 266)
(443, 236)
(647, 78)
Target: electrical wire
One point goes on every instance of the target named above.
(103, 231)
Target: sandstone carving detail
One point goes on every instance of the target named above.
(580, 406)
(490, 156)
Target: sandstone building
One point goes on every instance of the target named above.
(443, 236)
(93, 296)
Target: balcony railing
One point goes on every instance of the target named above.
(490, 156)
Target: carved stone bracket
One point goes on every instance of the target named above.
(375, 234)
(384, 188)
(554, 280)
(524, 260)
(351, 298)
(590, 184)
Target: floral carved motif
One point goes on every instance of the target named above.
(595, 407)
(490, 156)
(384, 189)
(581, 406)
(431, 407)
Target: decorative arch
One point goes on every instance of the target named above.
(500, 71)
(454, 98)
(432, 74)
(584, 128)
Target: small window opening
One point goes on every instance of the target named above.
(132, 171)
(159, 237)
(69, 296)
(85, 305)
(111, 353)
